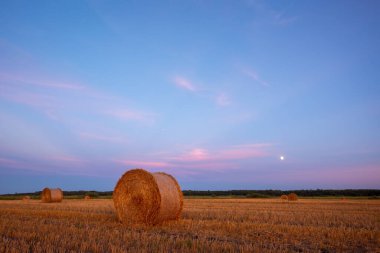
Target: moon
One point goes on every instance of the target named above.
(282, 158)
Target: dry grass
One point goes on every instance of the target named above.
(207, 225)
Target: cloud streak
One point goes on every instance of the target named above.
(11, 163)
(200, 159)
(131, 115)
(254, 76)
(223, 100)
(103, 138)
(232, 153)
(30, 80)
(184, 83)
(220, 99)
(49, 98)
(149, 164)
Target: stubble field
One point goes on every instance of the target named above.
(207, 225)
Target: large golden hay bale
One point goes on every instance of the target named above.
(148, 198)
(284, 197)
(87, 197)
(51, 195)
(292, 197)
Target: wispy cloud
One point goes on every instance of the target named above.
(244, 151)
(11, 163)
(68, 159)
(265, 14)
(230, 153)
(200, 159)
(144, 164)
(99, 137)
(184, 83)
(52, 102)
(29, 98)
(254, 76)
(131, 115)
(223, 100)
(39, 81)
(58, 164)
(43, 164)
(176, 166)
(196, 154)
(45, 103)
(283, 20)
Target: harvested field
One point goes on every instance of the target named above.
(223, 225)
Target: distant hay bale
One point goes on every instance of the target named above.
(147, 198)
(292, 197)
(284, 197)
(26, 198)
(51, 195)
(87, 197)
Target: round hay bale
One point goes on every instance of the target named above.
(51, 195)
(87, 197)
(284, 197)
(147, 198)
(26, 198)
(292, 197)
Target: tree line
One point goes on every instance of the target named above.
(277, 193)
(237, 193)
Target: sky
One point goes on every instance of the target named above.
(211, 92)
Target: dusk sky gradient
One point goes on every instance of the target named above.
(212, 92)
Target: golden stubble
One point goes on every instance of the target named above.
(207, 225)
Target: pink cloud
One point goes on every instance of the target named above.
(46, 104)
(242, 152)
(231, 153)
(31, 99)
(51, 103)
(66, 163)
(67, 158)
(198, 159)
(40, 81)
(223, 100)
(196, 154)
(12, 163)
(22, 165)
(254, 76)
(148, 164)
(190, 167)
(184, 83)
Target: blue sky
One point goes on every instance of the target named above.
(212, 92)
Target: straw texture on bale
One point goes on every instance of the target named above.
(147, 198)
(284, 197)
(51, 195)
(292, 197)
